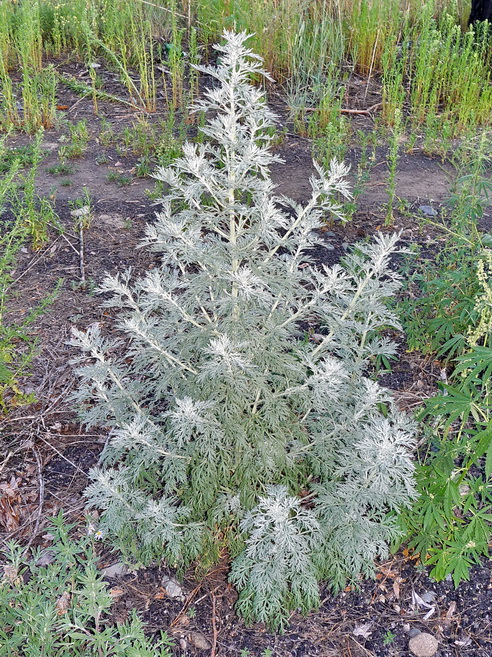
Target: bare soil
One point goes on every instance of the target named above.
(46, 454)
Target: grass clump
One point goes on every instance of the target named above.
(76, 142)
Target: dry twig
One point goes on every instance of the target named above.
(40, 499)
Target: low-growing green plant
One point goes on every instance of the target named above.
(472, 191)
(120, 179)
(16, 348)
(56, 602)
(365, 161)
(439, 307)
(171, 138)
(34, 212)
(393, 158)
(388, 638)
(228, 429)
(143, 168)
(75, 144)
(82, 209)
(333, 143)
(452, 524)
(11, 364)
(106, 134)
(60, 169)
(21, 156)
(140, 138)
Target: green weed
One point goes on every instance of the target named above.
(388, 638)
(34, 212)
(393, 158)
(451, 525)
(23, 156)
(106, 133)
(61, 169)
(56, 602)
(120, 179)
(75, 144)
(16, 349)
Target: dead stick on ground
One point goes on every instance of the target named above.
(7, 458)
(41, 499)
(62, 456)
(32, 264)
(187, 603)
(81, 252)
(24, 446)
(72, 107)
(345, 111)
(214, 627)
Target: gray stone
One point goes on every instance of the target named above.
(81, 212)
(198, 640)
(428, 211)
(115, 570)
(428, 596)
(423, 645)
(173, 589)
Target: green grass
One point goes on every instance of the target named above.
(120, 179)
(311, 48)
(60, 169)
(16, 346)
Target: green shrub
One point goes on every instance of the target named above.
(232, 426)
(451, 525)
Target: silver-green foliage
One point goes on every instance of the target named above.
(230, 423)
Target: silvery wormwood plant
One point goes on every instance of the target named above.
(230, 428)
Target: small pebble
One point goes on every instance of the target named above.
(428, 210)
(199, 641)
(81, 212)
(423, 645)
(173, 589)
(115, 570)
(428, 596)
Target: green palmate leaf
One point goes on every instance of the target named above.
(453, 346)
(458, 402)
(229, 427)
(488, 461)
(476, 365)
(483, 440)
